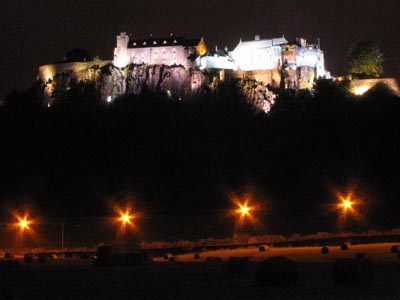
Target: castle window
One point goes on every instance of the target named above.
(144, 43)
(134, 43)
(164, 42)
(175, 42)
(154, 43)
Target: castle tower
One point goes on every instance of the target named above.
(121, 57)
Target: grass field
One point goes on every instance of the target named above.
(188, 278)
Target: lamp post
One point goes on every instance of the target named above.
(23, 225)
(343, 207)
(125, 220)
(241, 212)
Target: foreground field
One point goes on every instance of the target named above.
(188, 278)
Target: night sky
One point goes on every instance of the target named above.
(39, 32)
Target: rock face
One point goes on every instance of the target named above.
(109, 82)
(102, 81)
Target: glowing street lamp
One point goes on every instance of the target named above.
(125, 218)
(240, 213)
(344, 206)
(23, 224)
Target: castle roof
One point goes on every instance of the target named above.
(162, 42)
(265, 43)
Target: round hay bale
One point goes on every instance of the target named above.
(28, 257)
(196, 256)
(352, 271)
(394, 249)
(344, 246)
(42, 258)
(238, 265)
(103, 256)
(324, 250)
(13, 268)
(277, 271)
(263, 248)
(147, 258)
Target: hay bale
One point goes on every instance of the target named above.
(352, 271)
(103, 256)
(28, 258)
(196, 256)
(238, 265)
(12, 268)
(344, 246)
(147, 258)
(324, 250)
(263, 248)
(277, 271)
(394, 249)
(42, 258)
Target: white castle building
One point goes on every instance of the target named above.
(301, 62)
(158, 51)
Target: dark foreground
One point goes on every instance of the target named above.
(190, 280)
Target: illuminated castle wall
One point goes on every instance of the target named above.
(158, 51)
(184, 67)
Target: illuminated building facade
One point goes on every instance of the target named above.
(158, 51)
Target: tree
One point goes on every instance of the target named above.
(364, 60)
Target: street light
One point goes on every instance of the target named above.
(344, 206)
(125, 220)
(240, 213)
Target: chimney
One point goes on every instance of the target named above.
(257, 37)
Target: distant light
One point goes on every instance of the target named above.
(244, 210)
(347, 204)
(23, 223)
(360, 90)
(125, 218)
(109, 99)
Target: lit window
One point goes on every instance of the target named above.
(154, 43)
(144, 43)
(164, 42)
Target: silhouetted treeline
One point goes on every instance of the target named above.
(180, 159)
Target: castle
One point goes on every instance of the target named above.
(185, 67)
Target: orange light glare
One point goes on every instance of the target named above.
(23, 223)
(244, 210)
(125, 218)
(346, 204)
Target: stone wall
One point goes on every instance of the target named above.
(360, 86)
(47, 72)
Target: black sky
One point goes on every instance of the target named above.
(38, 32)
